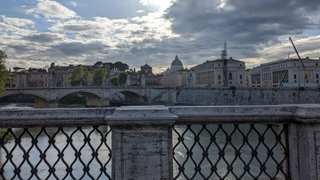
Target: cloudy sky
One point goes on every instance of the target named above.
(35, 33)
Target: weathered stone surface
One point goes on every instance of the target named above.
(54, 117)
(247, 96)
(142, 142)
(142, 115)
(141, 152)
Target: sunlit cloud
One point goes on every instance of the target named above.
(16, 21)
(51, 9)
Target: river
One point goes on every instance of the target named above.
(180, 151)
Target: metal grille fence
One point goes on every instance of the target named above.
(56, 153)
(230, 151)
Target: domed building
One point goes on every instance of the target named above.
(176, 64)
(176, 75)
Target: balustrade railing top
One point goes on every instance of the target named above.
(304, 113)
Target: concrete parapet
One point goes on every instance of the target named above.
(142, 135)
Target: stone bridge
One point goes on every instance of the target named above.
(96, 96)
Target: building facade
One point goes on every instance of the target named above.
(32, 79)
(61, 75)
(175, 76)
(210, 74)
(271, 74)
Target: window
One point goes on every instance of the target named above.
(295, 76)
(219, 77)
(219, 82)
(230, 75)
(218, 65)
(240, 76)
(294, 64)
(240, 82)
(317, 75)
(316, 64)
(240, 65)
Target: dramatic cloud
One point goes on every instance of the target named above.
(256, 32)
(248, 25)
(16, 21)
(51, 9)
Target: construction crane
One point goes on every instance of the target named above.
(284, 76)
(304, 68)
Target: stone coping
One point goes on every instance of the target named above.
(159, 115)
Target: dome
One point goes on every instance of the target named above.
(176, 64)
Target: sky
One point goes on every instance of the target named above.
(35, 33)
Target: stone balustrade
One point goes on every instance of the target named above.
(142, 135)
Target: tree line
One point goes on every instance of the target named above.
(82, 76)
(4, 73)
(79, 76)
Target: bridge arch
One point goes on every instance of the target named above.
(93, 99)
(40, 100)
(127, 96)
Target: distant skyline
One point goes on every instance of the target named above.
(35, 33)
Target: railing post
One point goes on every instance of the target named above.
(142, 142)
(304, 143)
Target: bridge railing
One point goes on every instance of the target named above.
(158, 142)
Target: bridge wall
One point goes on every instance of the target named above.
(247, 96)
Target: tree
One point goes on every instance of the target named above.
(114, 81)
(4, 73)
(122, 78)
(79, 76)
(99, 75)
(98, 64)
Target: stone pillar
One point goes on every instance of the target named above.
(142, 142)
(304, 143)
(143, 81)
(53, 104)
(105, 102)
(93, 102)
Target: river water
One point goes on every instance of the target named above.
(180, 151)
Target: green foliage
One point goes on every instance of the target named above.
(4, 73)
(7, 137)
(114, 81)
(122, 78)
(99, 75)
(42, 70)
(72, 98)
(79, 75)
(232, 87)
(134, 84)
(98, 64)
